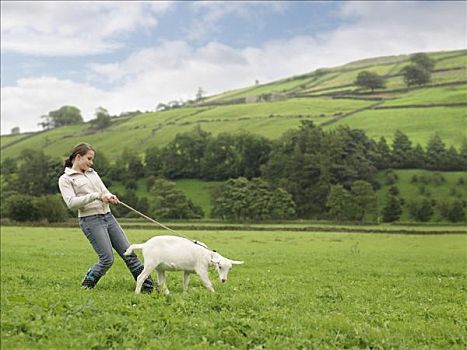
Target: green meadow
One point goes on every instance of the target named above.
(447, 188)
(295, 291)
(420, 124)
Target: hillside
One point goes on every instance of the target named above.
(326, 96)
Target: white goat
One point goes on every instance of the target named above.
(172, 253)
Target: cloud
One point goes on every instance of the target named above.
(43, 95)
(71, 29)
(208, 14)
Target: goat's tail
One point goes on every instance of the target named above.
(132, 247)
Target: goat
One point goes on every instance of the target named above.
(173, 253)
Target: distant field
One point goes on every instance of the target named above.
(200, 192)
(291, 107)
(445, 94)
(411, 191)
(296, 290)
(419, 124)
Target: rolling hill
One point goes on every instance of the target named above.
(326, 96)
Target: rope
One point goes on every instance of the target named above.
(163, 226)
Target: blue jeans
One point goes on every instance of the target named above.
(104, 233)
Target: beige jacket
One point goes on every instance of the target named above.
(83, 192)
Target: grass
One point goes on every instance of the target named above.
(419, 124)
(200, 192)
(295, 291)
(412, 191)
(445, 94)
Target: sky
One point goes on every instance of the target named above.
(128, 56)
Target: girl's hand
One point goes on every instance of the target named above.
(109, 198)
(114, 199)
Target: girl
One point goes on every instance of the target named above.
(82, 189)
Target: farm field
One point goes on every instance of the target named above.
(418, 123)
(296, 290)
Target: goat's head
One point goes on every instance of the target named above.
(223, 265)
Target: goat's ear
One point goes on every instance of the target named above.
(235, 262)
(215, 260)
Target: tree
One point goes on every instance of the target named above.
(243, 199)
(183, 156)
(103, 119)
(253, 151)
(161, 107)
(421, 211)
(15, 130)
(9, 166)
(452, 161)
(456, 212)
(415, 75)
(383, 160)
(436, 153)
(463, 155)
(392, 209)
(423, 60)
(21, 207)
(37, 174)
(153, 161)
(220, 158)
(66, 115)
(52, 208)
(369, 80)
(402, 152)
(341, 205)
(365, 197)
(199, 94)
(452, 211)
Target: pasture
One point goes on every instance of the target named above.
(297, 290)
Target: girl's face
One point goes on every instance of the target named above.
(83, 163)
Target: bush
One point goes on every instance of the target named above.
(421, 211)
(22, 207)
(392, 210)
(242, 199)
(394, 190)
(452, 211)
(391, 177)
(52, 208)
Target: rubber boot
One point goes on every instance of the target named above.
(90, 280)
(148, 284)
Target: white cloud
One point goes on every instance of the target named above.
(68, 28)
(24, 104)
(210, 13)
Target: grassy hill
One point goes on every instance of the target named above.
(327, 96)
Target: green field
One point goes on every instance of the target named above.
(445, 94)
(295, 291)
(418, 123)
(410, 191)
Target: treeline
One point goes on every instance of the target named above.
(198, 154)
(307, 173)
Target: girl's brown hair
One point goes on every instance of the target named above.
(80, 149)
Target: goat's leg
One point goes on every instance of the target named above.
(186, 280)
(203, 275)
(142, 277)
(162, 282)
